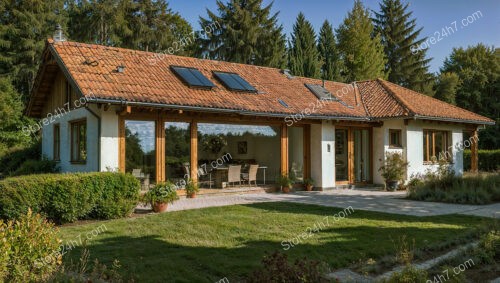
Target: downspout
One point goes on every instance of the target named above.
(98, 137)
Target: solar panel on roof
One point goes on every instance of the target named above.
(323, 94)
(234, 82)
(193, 77)
(320, 92)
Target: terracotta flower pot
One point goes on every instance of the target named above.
(160, 207)
(309, 188)
(191, 195)
(286, 190)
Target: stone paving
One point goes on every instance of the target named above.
(390, 202)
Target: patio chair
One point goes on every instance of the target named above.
(234, 174)
(251, 175)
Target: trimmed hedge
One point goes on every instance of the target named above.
(69, 197)
(489, 160)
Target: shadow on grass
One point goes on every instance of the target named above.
(152, 258)
(314, 209)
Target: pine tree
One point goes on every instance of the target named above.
(25, 25)
(155, 27)
(100, 21)
(303, 53)
(327, 49)
(405, 66)
(361, 52)
(11, 115)
(243, 31)
(446, 87)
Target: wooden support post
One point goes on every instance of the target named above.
(121, 144)
(284, 149)
(307, 151)
(194, 151)
(160, 150)
(474, 158)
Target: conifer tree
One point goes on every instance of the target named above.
(360, 49)
(446, 87)
(243, 31)
(24, 28)
(155, 27)
(406, 65)
(327, 49)
(303, 53)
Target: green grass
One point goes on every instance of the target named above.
(208, 244)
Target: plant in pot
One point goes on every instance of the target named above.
(309, 184)
(393, 169)
(160, 196)
(285, 183)
(191, 189)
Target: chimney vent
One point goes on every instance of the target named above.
(58, 34)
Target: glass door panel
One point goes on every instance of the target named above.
(361, 139)
(341, 155)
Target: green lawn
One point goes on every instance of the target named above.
(206, 245)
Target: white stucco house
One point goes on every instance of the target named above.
(170, 117)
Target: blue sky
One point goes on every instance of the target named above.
(432, 15)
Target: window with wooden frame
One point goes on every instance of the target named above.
(436, 146)
(57, 142)
(78, 141)
(395, 138)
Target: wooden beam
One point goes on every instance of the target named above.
(284, 149)
(307, 151)
(121, 144)
(160, 150)
(125, 111)
(474, 158)
(194, 151)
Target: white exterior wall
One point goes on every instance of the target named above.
(64, 120)
(109, 140)
(415, 153)
(381, 145)
(323, 154)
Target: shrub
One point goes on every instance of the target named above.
(489, 160)
(394, 167)
(32, 166)
(69, 197)
(409, 274)
(13, 159)
(27, 246)
(446, 187)
(488, 250)
(276, 268)
(192, 188)
(161, 193)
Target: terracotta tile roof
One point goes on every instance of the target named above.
(422, 105)
(147, 78)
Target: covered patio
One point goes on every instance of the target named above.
(216, 151)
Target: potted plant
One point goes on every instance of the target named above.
(393, 169)
(285, 183)
(191, 189)
(309, 184)
(160, 196)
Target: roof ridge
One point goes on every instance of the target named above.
(435, 99)
(92, 45)
(362, 101)
(396, 97)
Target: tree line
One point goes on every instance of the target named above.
(366, 45)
